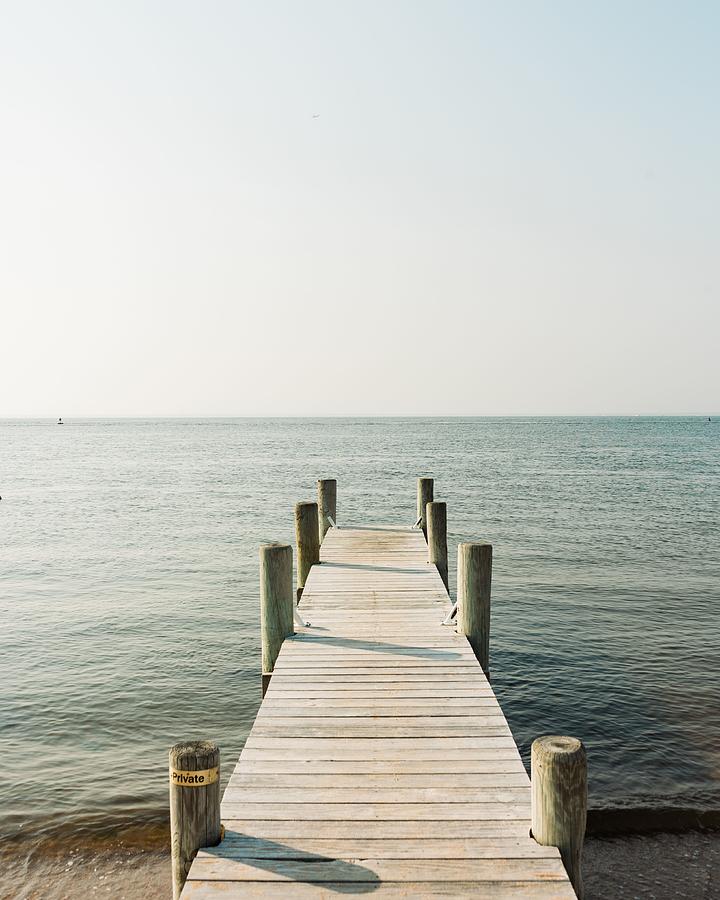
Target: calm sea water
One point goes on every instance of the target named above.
(129, 598)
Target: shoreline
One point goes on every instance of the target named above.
(658, 865)
(150, 831)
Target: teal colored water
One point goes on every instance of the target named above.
(129, 600)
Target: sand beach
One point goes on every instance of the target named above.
(641, 867)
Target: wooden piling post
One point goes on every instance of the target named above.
(436, 516)
(424, 496)
(559, 799)
(307, 532)
(473, 615)
(276, 603)
(327, 503)
(194, 805)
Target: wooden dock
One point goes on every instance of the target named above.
(380, 761)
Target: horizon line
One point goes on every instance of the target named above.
(573, 415)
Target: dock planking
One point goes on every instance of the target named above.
(380, 760)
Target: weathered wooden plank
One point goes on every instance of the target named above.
(498, 761)
(440, 714)
(362, 748)
(238, 846)
(327, 812)
(413, 582)
(384, 659)
(390, 631)
(369, 626)
(383, 576)
(350, 576)
(368, 623)
(380, 705)
(376, 730)
(356, 750)
(383, 571)
(236, 792)
(364, 624)
(374, 718)
(399, 615)
(453, 783)
(349, 694)
(379, 667)
(417, 601)
(378, 682)
(490, 890)
(359, 566)
(376, 651)
(342, 687)
(354, 659)
(378, 557)
(290, 830)
(400, 677)
(213, 867)
(386, 719)
(432, 661)
(383, 590)
(372, 633)
(379, 585)
(380, 651)
(361, 659)
(345, 611)
(385, 603)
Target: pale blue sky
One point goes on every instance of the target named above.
(503, 208)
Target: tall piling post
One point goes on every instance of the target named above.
(474, 581)
(559, 799)
(276, 604)
(436, 516)
(307, 532)
(194, 805)
(424, 496)
(327, 503)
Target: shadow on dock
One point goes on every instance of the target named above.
(336, 875)
(374, 567)
(440, 653)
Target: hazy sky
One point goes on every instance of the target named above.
(503, 207)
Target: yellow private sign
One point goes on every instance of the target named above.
(200, 778)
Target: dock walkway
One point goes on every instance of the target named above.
(380, 761)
